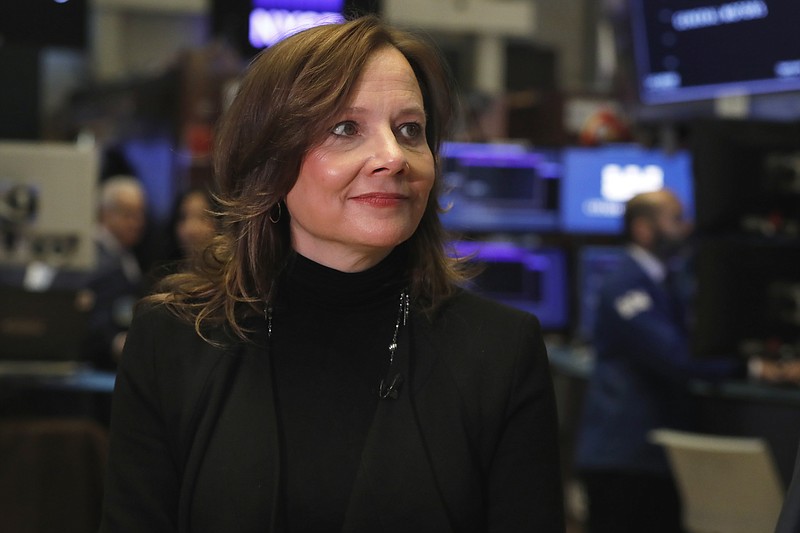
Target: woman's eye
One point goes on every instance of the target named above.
(345, 129)
(411, 130)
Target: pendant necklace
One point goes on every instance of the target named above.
(391, 390)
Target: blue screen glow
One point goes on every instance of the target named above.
(596, 183)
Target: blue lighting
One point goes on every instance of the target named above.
(301, 5)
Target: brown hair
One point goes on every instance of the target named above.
(285, 105)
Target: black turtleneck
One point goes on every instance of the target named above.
(330, 350)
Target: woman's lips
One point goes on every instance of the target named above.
(380, 199)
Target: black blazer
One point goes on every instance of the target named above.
(469, 445)
(789, 519)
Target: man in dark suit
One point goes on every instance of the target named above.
(116, 280)
(639, 382)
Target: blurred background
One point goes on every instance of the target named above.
(567, 108)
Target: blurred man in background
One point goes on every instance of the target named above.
(640, 379)
(116, 280)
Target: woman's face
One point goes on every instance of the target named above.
(195, 226)
(363, 190)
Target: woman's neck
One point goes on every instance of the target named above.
(345, 258)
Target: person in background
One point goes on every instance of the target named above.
(116, 281)
(324, 370)
(640, 378)
(196, 225)
(192, 226)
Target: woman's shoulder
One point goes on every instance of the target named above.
(164, 344)
(467, 307)
(158, 316)
(469, 323)
(165, 330)
(481, 345)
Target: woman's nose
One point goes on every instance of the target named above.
(389, 156)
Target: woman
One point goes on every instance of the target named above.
(324, 372)
(191, 228)
(195, 226)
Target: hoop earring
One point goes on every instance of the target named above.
(272, 218)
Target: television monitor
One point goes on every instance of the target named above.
(531, 279)
(691, 50)
(251, 25)
(592, 265)
(47, 204)
(499, 187)
(596, 182)
(272, 20)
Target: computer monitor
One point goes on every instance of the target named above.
(596, 183)
(689, 50)
(531, 279)
(499, 187)
(47, 204)
(252, 25)
(273, 20)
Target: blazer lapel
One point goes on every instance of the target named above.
(261, 382)
(237, 451)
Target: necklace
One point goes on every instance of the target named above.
(385, 391)
(402, 313)
(392, 390)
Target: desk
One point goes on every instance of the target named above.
(738, 408)
(85, 380)
(79, 391)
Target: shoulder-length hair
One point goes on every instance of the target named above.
(287, 102)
